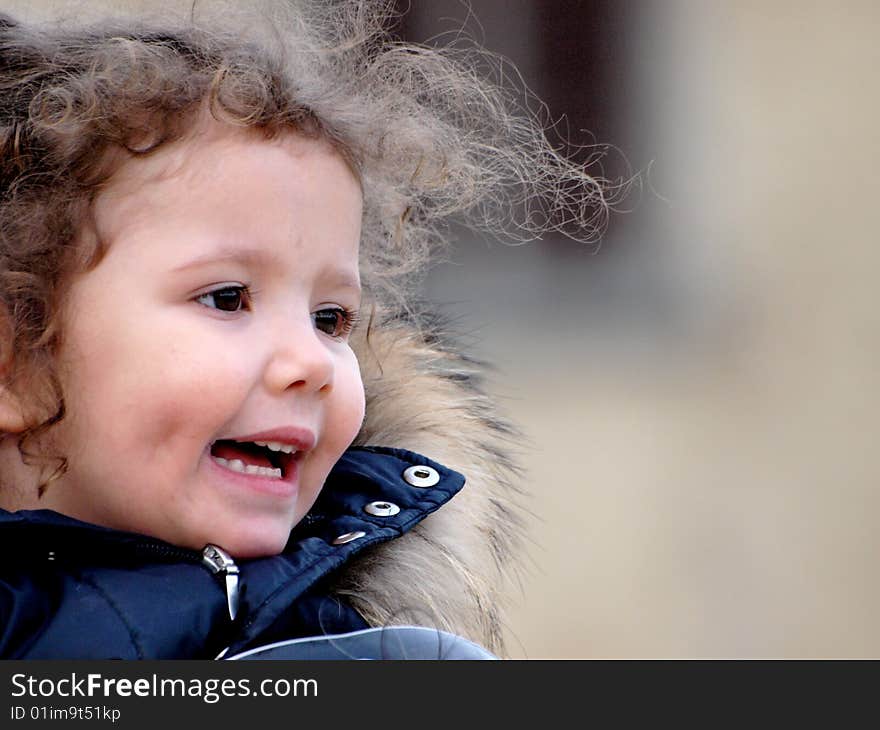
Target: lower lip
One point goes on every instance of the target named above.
(283, 488)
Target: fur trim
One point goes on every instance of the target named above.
(452, 571)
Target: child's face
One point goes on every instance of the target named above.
(217, 316)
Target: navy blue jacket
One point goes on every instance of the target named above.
(69, 589)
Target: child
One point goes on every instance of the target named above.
(208, 248)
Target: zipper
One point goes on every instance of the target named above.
(214, 558)
(165, 552)
(221, 564)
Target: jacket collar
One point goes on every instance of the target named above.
(364, 479)
(372, 496)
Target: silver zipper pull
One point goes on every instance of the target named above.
(219, 562)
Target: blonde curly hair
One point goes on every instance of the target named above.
(428, 131)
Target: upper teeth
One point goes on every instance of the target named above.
(276, 446)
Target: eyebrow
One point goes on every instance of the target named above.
(341, 278)
(344, 280)
(244, 255)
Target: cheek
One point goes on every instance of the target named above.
(342, 422)
(354, 398)
(345, 414)
(138, 393)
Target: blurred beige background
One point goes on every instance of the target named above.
(700, 396)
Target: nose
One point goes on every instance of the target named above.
(301, 360)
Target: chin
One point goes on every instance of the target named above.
(256, 544)
(243, 544)
(254, 548)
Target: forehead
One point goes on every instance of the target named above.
(234, 184)
(203, 157)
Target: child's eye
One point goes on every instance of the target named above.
(335, 321)
(227, 298)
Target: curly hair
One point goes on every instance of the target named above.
(427, 131)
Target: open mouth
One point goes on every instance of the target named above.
(270, 459)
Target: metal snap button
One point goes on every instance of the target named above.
(348, 537)
(382, 509)
(421, 476)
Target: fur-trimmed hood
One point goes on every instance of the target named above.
(454, 570)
